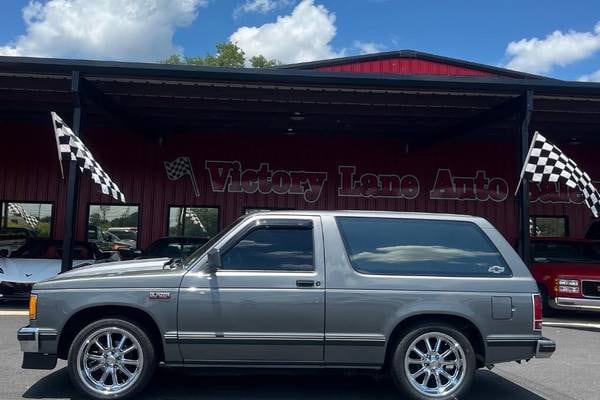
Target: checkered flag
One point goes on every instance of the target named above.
(179, 168)
(195, 219)
(17, 209)
(546, 161)
(70, 147)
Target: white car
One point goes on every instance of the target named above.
(41, 259)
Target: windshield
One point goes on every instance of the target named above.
(566, 252)
(192, 258)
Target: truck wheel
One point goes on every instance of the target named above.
(433, 361)
(111, 359)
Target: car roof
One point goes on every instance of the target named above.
(378, 214)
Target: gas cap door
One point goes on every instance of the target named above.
(501, 307)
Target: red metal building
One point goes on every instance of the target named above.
(403, 131)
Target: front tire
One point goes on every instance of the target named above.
(111, 359)
(433, 361)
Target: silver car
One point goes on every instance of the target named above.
(428, 297)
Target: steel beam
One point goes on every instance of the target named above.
(523, 194)
(72, 184)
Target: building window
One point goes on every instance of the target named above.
(193, 221)
(548, 226)
(113, 227)
(26, 219)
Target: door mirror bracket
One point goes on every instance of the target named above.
(214, 261)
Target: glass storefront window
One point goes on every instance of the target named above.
(193, 221)
(113, 227)
(31, 219)
(548, 226)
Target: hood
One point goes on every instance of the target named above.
(24, 270)
(567, 270)
(134, 274)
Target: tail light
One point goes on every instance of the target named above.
(537, 312)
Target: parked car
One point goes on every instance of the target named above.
(567, 272)
(431, 297)
(126, 235)
(13, 238)
(40, 259)
(106, 241)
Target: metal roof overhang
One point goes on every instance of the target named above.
(158, 97)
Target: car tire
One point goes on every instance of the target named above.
(111, 359)
(418, 376)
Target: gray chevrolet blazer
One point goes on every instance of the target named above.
(428, 297)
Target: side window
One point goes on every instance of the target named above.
(395, 246)
(272, 248)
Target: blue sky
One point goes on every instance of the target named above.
(478, 31)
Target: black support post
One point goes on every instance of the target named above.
(72, 184)
(523, 195)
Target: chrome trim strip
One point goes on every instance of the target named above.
(264, 338)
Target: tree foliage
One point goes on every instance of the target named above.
(228, 55)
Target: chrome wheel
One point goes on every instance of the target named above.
(110, 361)
(435, 364)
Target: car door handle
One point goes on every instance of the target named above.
(305, 283)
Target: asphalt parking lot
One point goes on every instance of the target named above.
(572, 373)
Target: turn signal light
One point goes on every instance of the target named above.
(33, 306)
(537, 312)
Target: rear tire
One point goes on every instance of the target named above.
(433, 361)
(111, 359)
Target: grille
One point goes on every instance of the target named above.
(590, 288)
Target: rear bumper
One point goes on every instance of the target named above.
(34, 343)
(571, 303)
(545, 348)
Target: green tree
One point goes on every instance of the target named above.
(228, 55)
(261, 62)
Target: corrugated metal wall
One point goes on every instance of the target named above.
(29, 172)
(405, 66)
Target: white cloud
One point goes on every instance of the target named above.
(559, 48)
(593, 77)
(140, 30)
(368, 47)
(304, 35)
(259, 6)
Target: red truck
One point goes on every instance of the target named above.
(567, 272)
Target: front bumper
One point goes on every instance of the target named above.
(573, 303)
(33, 343)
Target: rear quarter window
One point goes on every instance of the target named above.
(398, 246)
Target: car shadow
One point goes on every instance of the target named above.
(182, 384)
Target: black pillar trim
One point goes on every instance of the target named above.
(523, 194)
(72, 184)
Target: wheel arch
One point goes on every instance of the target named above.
(462, 323)
(85, 316)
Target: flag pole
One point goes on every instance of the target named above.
(62, 172)
(193, 178)
(525, 163)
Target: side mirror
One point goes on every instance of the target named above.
(3, 253)
(214, 261)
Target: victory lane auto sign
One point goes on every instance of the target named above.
(232, 177)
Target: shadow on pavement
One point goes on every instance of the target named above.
(180, 384)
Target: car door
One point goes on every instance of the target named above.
(266, 303)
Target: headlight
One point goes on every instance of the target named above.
(568, 282)
(568, 289)
(33, 306)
